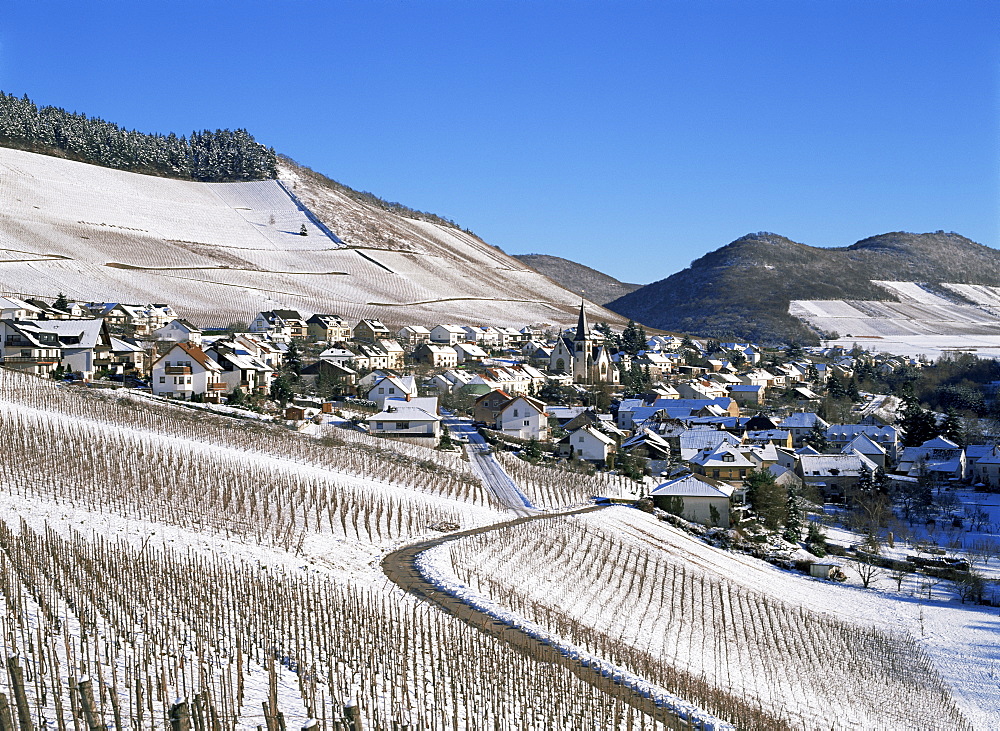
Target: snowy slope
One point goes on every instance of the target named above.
(221, 252)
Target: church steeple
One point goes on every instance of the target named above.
(582, 330)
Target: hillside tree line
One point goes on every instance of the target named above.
(219, 156)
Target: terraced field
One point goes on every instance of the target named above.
(221, 252)
(922, 322)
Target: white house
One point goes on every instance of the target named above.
(436, 355)
(693, 496)
(185, 370)
(525, 418)
(470, 352)
(413, 335)
(416, 418)
(399, 388)
(180, 331)
(588, 443)
(448, 334)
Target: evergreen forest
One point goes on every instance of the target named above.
(220, 156)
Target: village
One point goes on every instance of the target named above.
(691, 420)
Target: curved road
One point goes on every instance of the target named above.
(400, 567)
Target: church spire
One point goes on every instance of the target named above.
(582, 330)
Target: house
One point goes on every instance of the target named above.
(370, 331)
(30, 348)
(864, 444)
(45, 310)
(123, 356)
(701, 390)
(940, 458)
(328, 328)
(186, 370)
(470, 353)
(725, 462)
(339, 379)
(800, 424)
(413, 335)
(695, 498)
(525, 418)
(394, 351)
(345, 356)
(240, 368)
(692, 441)
(650, 446)
(746, 394)
(417, 418)
(986, 469)
(840, 435)
(371, 354)
(834, 475)
(287, 323)
(448, 334)
(180, 331)
(400, 388)
(436, 355)
(587, 443)
(777, 437)
(584, 357)
(450, 381)
(487, 406)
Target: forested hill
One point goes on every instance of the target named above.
(211, 156)
(589, 283)
(743, 289)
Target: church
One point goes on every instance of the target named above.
(584, 356)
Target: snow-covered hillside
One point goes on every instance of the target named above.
(922, 322)
(221, 252)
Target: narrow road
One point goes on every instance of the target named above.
(400, 567)
(489, 470)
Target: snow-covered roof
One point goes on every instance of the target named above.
(694, 486)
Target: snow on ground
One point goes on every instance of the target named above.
(962, 640)
(221, 252)
(921, 323)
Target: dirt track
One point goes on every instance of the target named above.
(401, 569)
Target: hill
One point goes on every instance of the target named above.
(220, 252)
(744, 289)
(594, 285)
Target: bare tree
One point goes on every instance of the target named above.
(899, 573)
(866, 569)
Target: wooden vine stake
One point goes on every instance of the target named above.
(180, 716)
(20, 697)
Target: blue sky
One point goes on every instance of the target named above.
(629, 136)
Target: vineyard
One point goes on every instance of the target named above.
(150, 553)
(739, 653)
(221, 252)
(557, 487)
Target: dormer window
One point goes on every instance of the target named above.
(728, 458)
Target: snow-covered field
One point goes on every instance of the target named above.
(685, 615)
(921, 323)
(221, 252)
(170, 553)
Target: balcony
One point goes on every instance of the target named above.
(216, 387)
(30, 360)
(178, 370)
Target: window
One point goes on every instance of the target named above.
(381, 390)
(580, 440)
(743, 473)
(715, 474)
(163, 379)
(527, 423)
(515, 413)
(379, 425)
(402, 425)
